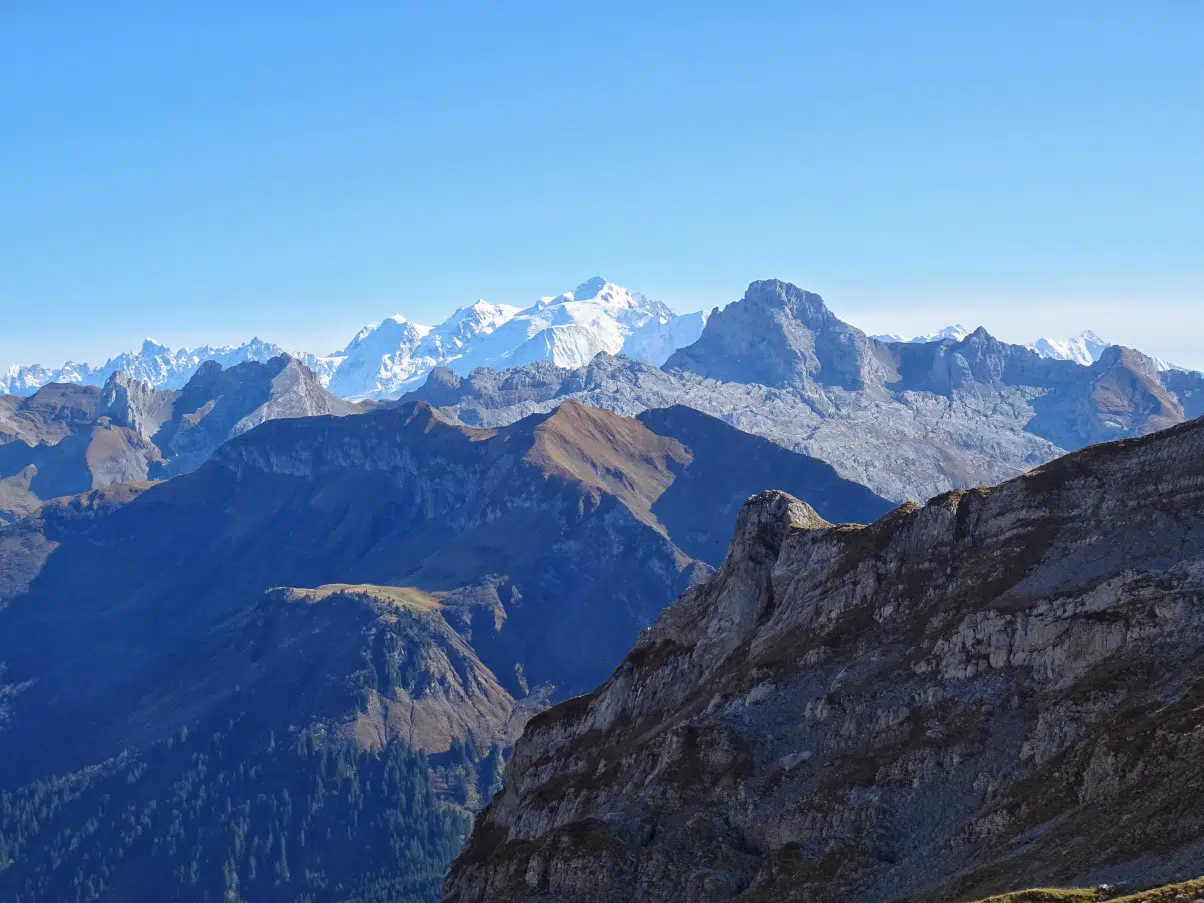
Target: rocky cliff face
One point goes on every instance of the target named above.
(1000, 688)
(134, 404)
(62, 440)
(906, 420)
(779, 335)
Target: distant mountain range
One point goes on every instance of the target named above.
(390, 357)
(1085, 348)
(384, 359)
(908, 419)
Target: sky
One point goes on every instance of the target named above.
(202, 173)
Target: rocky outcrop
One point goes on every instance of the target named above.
(133, 404)
(17, 498)
(907, 420)
(998, 689)
(62, 441)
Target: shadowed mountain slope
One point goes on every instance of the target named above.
(727, 467)
(362, 590)
(999, 689)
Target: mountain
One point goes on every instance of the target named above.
(67, 439)
(1086, 348)
(569, 330)
(56, 442)
(996, 690)
(292, 672)
(907, 420)
(957, 332)
(779, 335)
(155, 364)
(384, 359)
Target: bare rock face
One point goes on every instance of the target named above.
(134, 404)
(998, 689)
(780, 335)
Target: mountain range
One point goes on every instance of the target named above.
(292, 672)
(907, 420)
(995, 690)
(1085, 348)
(67, 439)
(385, 358)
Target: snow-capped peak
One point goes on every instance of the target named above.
(1085, 348)
(385, 358)
(390, 333)
(155, 364)
(598, 288)
(602, 291)
(956, 332)
(481, 311)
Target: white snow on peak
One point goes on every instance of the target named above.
(387, 358)
(154, 363)
(956, 332)
(1085, 348)
(568, 329)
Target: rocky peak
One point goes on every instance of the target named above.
(763, 524)
(744, 588)
(779, 335)
(151, 347)
(806, 307)
(442, 387)
(134, 404)
(1119, 355)
(1126, 394)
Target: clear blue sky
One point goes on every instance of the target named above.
(298, 169)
